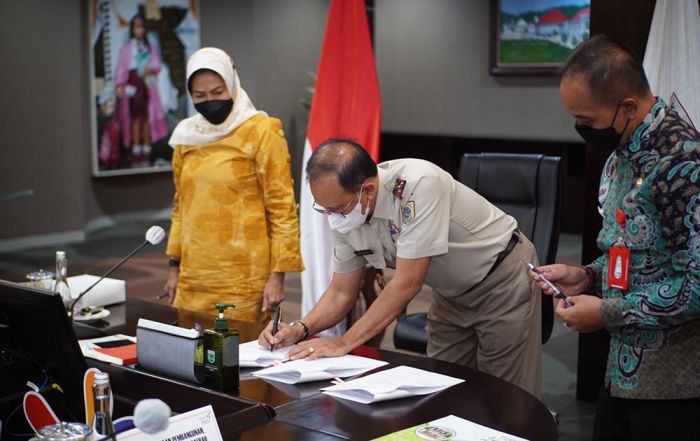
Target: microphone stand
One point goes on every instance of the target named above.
(110, 271)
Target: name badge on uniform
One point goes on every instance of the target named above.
(618, 267)
(360, 253)
(399, 185)
(619, 259)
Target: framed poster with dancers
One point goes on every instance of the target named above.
(138, 53)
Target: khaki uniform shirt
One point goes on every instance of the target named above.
(421, 211)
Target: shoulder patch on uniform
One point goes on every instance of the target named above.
(399, 185)
(408, 211)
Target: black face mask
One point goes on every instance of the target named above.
(215, 111)
(604, 139)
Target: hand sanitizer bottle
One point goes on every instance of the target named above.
(221, 355)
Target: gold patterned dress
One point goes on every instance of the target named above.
(234, 219)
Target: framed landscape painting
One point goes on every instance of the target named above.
(535, 37)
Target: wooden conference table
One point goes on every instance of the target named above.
(276, 411)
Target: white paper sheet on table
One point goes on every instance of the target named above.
(450, 427)
(302, 371)
(251, 354)
(399, 382)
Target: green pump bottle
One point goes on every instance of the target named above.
(221, 355)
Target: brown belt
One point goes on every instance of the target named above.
(503, 254)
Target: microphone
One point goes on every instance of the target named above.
(152, 415)
(154, 236)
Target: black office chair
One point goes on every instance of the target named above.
(526, 186)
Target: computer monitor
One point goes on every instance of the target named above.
(36, 341)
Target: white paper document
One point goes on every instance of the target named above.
(452, 428)
(302, 371)
(251, 354)
(399, 382)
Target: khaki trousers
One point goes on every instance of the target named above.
(496, 326)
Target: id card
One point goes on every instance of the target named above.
(618, 267)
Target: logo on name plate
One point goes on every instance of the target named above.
(435, 433)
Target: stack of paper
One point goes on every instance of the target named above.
(251, 354)
(399, 382)
(301, 371)
(452, 428)
(116, 349)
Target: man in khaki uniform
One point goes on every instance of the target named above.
(410, 215)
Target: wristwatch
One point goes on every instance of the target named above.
(303, 325)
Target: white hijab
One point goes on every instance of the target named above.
(196, 130)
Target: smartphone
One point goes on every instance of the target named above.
(557, 291)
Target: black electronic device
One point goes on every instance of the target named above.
(38, 344)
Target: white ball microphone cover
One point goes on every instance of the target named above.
(155, 235)
(151, 415)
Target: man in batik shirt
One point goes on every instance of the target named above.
(645, 287)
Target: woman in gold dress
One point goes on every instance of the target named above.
(234, 227)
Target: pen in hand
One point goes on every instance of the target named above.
(557, 292)
(275, 324)
(163, 294)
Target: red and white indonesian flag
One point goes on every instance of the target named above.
(672, 61)
(346, 104)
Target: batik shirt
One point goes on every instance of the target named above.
(234, 219)
(654, 325)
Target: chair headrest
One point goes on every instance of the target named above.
(502, 177)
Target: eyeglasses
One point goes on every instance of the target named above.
(328, 212)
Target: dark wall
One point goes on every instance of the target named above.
(447, 151)
(42, 117)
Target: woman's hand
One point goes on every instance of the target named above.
(273, 294)
(286, 336)
(572, 280)
(171, 283)
(120, 90)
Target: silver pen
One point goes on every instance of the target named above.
(557, 292)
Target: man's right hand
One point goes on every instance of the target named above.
(572, 280)
(171, 283)
(286, 336)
